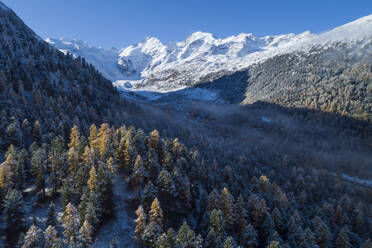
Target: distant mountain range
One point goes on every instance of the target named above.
(152, 66)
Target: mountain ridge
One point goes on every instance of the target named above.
(153, 66)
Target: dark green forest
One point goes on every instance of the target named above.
(193, 174)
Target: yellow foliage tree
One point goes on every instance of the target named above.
(92, 182)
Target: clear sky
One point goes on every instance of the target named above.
(119, 23)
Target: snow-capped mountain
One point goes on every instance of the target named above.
(153, 66)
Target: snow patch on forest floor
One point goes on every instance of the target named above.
(122, 225)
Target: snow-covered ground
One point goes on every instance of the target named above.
(152, 66)
(122, 226)
(357, 180)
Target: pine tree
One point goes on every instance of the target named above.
(74, 138)
(92, 182)
(249, 237)
(151, 234)
(7, 169)
(185, 237)
(274, 244)
(199, 241)
(138, 172)
(240, 215)
(229, 243)
(85, 234)
(226, 205)
(156, 213)
(216, 222)
(154, 140)
(278, 220)
(93, 137)
(322, 236)
(14, 215)
(213, 200)
(165, 186)
(140, 223)
(264, 183)
(212, 240)
(267, 228)
(71, 225)
(93, 210)
(103, 140)
(33, 237)
(51, 219)
(66, 193)
(39, 170)
(56, 158)
(309, 238)
(342, 240)
(105, 190)
(51, 238)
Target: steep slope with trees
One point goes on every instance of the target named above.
(65, 146)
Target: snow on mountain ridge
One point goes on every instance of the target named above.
(153, 66)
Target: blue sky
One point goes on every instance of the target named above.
(118, 23)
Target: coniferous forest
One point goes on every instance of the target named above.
(76, 155)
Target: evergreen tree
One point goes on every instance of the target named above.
(33, 238)
(322, 236)
(278, 220)
(229, 243)
(71, 225)
(51, 219)
(151, 234)
(14, 215)
(140, 223)
(92, 182)
(249, 239)
(156, 213)
(137, 177)
(39, 169)
(7, 170)
(240, 215)
(85, 234)
(216, 223)
(212, 240)
(66, 193)
(213, 200)
(342, 240)
(51, 238)
(185, 237)
(274, 244)
(226, 205)
(93, 137)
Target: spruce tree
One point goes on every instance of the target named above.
(14, 215)
(226, 205)
(249, 238)
(322, 235)
(71, 224)
(342, 240)
(86, 234)
(216, 222)
(140, 223)
(33, 237)
(156, 213)
(185, 237)
(240, 215)
(51, 219)
(229, 243)
(51, 238)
